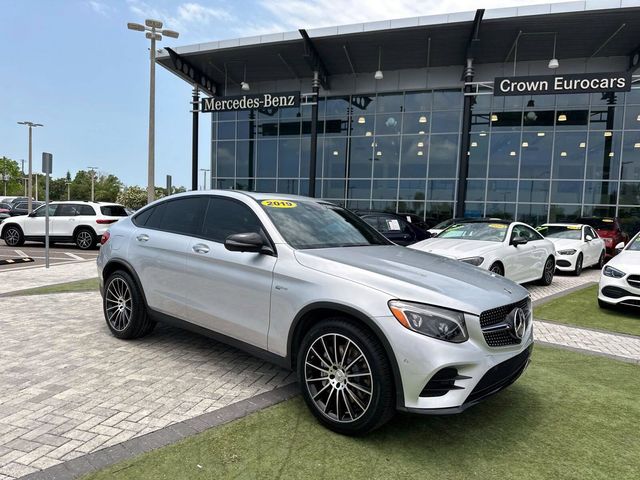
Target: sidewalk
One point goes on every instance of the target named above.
(33, 277)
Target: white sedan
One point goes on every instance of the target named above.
(578, 246)
(620, 277)
(512, 249)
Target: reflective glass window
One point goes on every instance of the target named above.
(417, 101)
(631, 156)
(225, 155)
(503, 157)
(361, 158)
(390, 102)
(288, 157)
(534, 191)
(603, 155)
(566, 192)
(601, 192)
(476, 190)
(267, 157)
(441, 189)
(535, 154)
(412, 190)
(445, 122)
(502, 190)
(415, 152)
(387, 157)
(569, 155)
(443, 156)
(335, 158)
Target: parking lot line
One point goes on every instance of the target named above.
(73, 255)
(21, 253)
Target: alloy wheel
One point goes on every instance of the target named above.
(338, 378)
(84, 240)
(579, 266)
(118, 304)
(548, 271)
(12, 237)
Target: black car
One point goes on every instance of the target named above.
(22, 208)
(395, 227)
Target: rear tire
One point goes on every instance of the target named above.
(13, 236)
(579, 262)
(345, 377)
(124, 309)
(85, 239)
(601, 261)
(547, 272)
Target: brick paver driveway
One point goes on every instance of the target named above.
(67, 387)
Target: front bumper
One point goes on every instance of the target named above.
(478, 370)
(618, 291)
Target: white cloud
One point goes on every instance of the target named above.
(294, 14)
(192, 18)
(100, 8)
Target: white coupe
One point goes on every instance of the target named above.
(578, 246)
(512, 249)
(620, 277)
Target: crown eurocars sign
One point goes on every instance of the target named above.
(248, 102)
(562, 84)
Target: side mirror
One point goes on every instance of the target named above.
(245, 242)
(32, 214)
(619, 247)
(588, 238)
(515, 241)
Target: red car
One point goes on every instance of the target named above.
(609, 230)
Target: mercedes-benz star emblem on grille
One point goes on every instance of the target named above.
(517, 320)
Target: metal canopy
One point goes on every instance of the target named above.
(580, 34)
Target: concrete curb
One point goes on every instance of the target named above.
(542, 301)
(120, 452)
(589, 352)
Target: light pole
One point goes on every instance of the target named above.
(24, 179)
(154, 32)
(31, 126)
(93, 180)
(204, 177)
(68, 184)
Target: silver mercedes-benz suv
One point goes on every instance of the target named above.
(369, 326)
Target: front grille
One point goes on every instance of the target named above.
(442, 382)
(500, 376)
(615, 292)
(502, 338)
(631, 303)
(634, 281)
(563, 263)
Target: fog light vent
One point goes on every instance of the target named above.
(442, 382)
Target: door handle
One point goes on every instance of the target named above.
(200, 248)
(142, 237)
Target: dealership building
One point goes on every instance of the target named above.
(531, 113)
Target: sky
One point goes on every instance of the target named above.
(73, 66)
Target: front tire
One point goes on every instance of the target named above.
(601, 261)
(124, 308)
(548, 272)
(85, 239)
(13, 236)
(345, 377)
(578, 270)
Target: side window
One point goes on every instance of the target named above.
(184, 215)
(66, 210)
(42, 211)
(592, 232)
(85, 210)
(225, 217)
(392, 225)
(530, 234)
(141, 218)
(373, 221)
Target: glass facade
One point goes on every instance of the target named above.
(536, 159)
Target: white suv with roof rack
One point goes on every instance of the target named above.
(82, 223)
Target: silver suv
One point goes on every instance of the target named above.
(369, 326)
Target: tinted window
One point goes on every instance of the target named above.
(85, 210)
(113, 211)
(571, 232)
(492, 232)
(226, 217)
(66, 210)
(141, 218)
(42, 211)
(183, 216)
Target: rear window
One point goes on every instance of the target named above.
(113, 211)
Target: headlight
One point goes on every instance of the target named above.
(435, 322)
(473, 260)
(613, 272)
(567, 252)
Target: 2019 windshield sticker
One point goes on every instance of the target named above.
(497, 225)
(279, 204)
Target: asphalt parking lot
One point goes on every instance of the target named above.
(59, 253)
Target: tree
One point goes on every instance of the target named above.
(11, 176)
(132, 197)
(107, 188)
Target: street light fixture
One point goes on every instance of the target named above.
(93, 180)
(204, 177)
(31, 126)
(153, 31)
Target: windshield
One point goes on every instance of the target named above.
(635, 244)
(114, 211)
(491, 232)
(443, 225)
(571, 232)
(600, 223)
(307, 225)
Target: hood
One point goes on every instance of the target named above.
(627, 261)
(565, 243)
(456, 248)
(416, 276)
